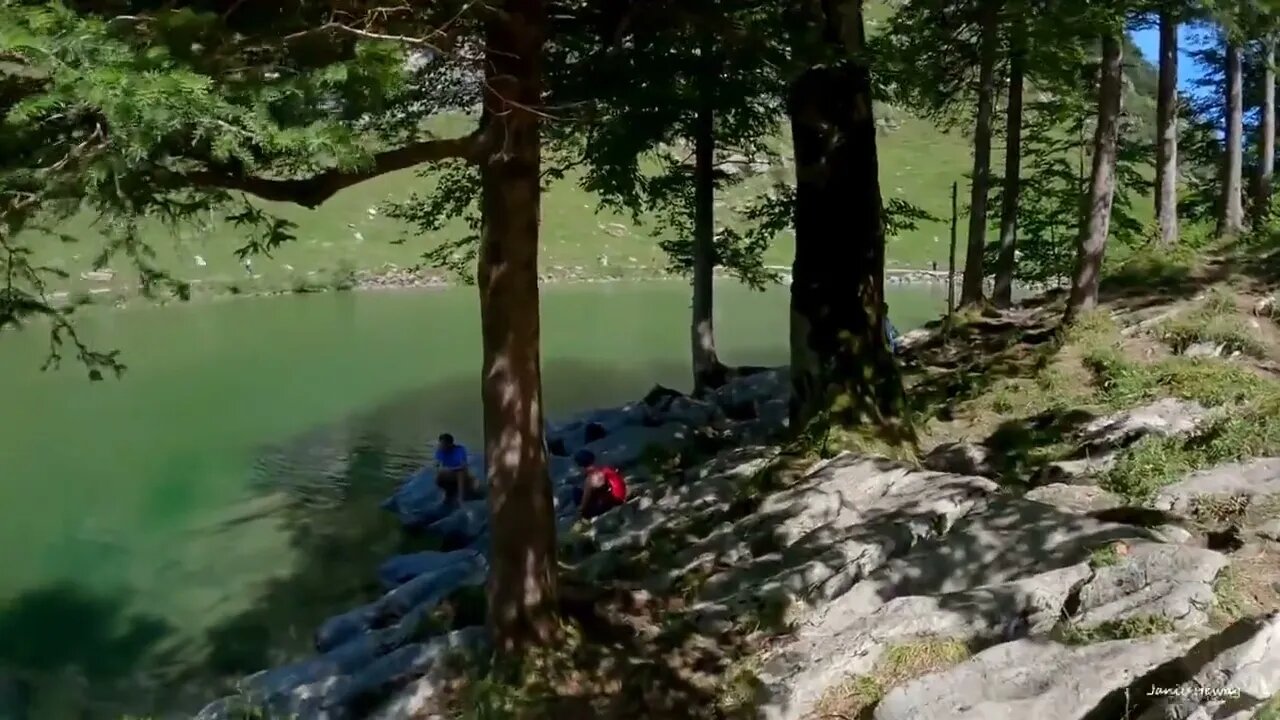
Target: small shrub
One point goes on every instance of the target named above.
(1131, 627)
(1105, 556)
(1229, 600)
(1214, 509)
(1146, 467)
(1151, 268)
(1215, 321)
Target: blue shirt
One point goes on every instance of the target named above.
(453, 458)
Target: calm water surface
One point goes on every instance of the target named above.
(193, 521)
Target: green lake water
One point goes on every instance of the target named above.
(167, 532)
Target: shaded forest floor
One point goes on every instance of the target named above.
(659, 628)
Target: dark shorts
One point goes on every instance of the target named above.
(602, 501)
(455, 482)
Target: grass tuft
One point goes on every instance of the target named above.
(858, 695)
(1216, 321)
(1125, 629)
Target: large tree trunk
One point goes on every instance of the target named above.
(1167, 132)
(1002, 294)
(842, 368)
(708, 372)
(522, 581)
(1267, 131)
(971, 290)
(1231, 221)
(1102, 184)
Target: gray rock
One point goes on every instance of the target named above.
(627, 445)
(961, 458)
(1204, 350)
(424, 591)
(1103, 438)
(1009, 539)
(836, 645)
(1167, 417)
(917, 337)
(1153, 579)
(1253, 478)
(1030, 679)
(847, 518)
(1231, 686)
(1173, 534)
(468, 521)
(1270, 530)
(399, 569)
(1076, 498)
(334, 697)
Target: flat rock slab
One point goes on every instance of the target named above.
(1255, 478)
(1030, 679)
(1234, 683)
(1082, 499)
(1011, 538)
(848, 517)
(1153, 580)
(837, 646)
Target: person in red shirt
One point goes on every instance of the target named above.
(602, 488)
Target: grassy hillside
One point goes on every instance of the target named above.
(917, 163)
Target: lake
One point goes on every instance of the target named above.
(167, 532)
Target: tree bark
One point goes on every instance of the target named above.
(1002, 293)
(1232, 220)
(708, 372)
(1102, 184)
(522, 581)
(971, 290)
(1267, 142)
(1167, 132)
(842, 369)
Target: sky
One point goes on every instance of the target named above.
(1148, 41)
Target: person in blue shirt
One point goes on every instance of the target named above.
(453, 476)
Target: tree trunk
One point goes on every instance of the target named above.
(1267, 142)
(708, 372)
(522, 581)
(1002, 294)
(1232, 220)
(1102, 184)
(1167, 133)
(971, 291)
(842, 368)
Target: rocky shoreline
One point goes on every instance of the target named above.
(1062, 603)
(396, 278)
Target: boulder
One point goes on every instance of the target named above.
(1075, 498)
(419, 500)
(1167, 417)
(1253, 478)
(961, 458)
(838, 645)
(342, 693)
(1152, 579)
(847, 518)
(1102, 439)
(1204, 350)
(1232, 685)
(1030, 678)
(459, 528)
(1008, 539)
(399, 569)
(1270, 530)
(423, 591)
(628, 445)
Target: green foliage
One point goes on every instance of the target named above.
(1136, 626)
(146, 119)
(1105, 556)
(1217, 321)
